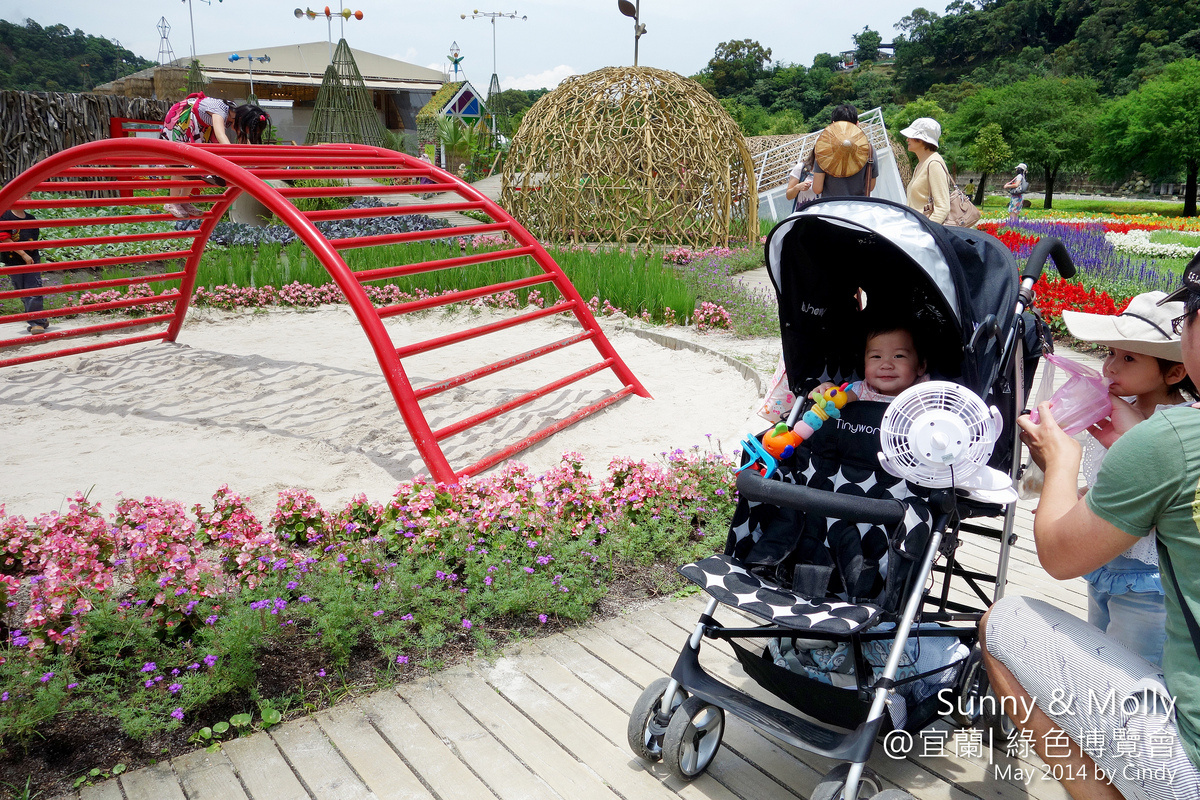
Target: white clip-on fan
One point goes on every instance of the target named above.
(939, 435)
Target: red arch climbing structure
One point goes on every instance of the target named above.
(137, 173)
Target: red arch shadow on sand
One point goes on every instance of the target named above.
(122, 165)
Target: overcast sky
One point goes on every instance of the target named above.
(559, 38)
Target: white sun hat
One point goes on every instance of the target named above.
(1144, 327)
(926, 129)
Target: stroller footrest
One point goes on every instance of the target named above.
(799, 732)
(732, 584)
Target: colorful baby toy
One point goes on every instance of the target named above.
(781, 442)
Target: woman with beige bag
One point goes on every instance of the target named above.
(929, 189)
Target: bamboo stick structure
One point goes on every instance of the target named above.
(631, 154)
(344, 112)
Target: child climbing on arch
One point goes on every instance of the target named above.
(200, 120)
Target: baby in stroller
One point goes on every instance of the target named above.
(830, 559)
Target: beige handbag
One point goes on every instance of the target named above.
(963, 213)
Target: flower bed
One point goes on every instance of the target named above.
(154, 616)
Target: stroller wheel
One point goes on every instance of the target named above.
(893, 794)
(997, 722)
(833, 785)
(972, 686)
(645, 731)
(692, 738)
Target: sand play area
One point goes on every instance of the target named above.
(264, 401)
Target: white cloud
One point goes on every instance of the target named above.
(543, 80)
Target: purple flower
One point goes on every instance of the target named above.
(211, 620)
(174, 688)
(377, 613)
(407, 617)
(528, 569)
(72, 685)
(542, 618)
(193, 666)
(4, 697)
(47, 676)
(209, 660)
(320, 673)
(292, 585)
(178, 714)
(149, 667)
(150, 684)
(467, 624)
(401, 659)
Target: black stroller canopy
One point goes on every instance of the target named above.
(946, 280)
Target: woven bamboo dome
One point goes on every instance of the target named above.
(631, 154)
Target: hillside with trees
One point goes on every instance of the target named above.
(58, 59)
(1070, 87)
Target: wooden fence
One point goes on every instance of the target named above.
(34, 125)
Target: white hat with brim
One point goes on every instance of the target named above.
(1144, 327)
(926, 129)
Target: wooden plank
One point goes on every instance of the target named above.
(625, 774)
(264, 771)
(438, 765)
(741, 738)
(208, 776)
(568, 776)
(504, 774)
(370, 754)
(318, 764)
(152, 783)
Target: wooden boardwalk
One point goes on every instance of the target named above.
(547, 720)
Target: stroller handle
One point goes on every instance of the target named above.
(1048, 246)
(756, 488)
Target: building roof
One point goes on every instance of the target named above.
(304, 65)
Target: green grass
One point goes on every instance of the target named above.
(1104, 206)
(1176, 237)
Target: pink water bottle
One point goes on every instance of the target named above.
(1079, 403)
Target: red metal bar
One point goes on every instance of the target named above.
(107, 261)
(418, 236)
(482, 330)
(105, 284)
(449, 298)
(72, 351)
(128, 163)
(73, 333)
(516, 402)
(366, 276)
(68, 311)
(545, 433)
(49, 244)
(391, 211)
(490, 369)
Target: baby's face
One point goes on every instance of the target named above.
(892, 364)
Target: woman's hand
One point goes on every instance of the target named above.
(1123, 417)
(1048, 444)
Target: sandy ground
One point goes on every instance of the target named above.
(264, 401)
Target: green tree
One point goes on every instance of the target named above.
(989, 152)
(866, 45)
(1155, 129)
(735, 66)
(1048, 122)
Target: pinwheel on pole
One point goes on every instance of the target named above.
(251, 59)
(344, 13)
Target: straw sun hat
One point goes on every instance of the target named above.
(1144, 327)
(842, 149)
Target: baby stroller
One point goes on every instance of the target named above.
(831, 554)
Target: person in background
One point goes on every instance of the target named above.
(800, 181)
(929, 189)
(1016, 189)
(23, 258)
(214, 120)
(857, 184)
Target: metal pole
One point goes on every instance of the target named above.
(192, 22)
(637, 20)
(493, 45)
(329, 36)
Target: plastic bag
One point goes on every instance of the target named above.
(779, 399)
(1029, 485)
